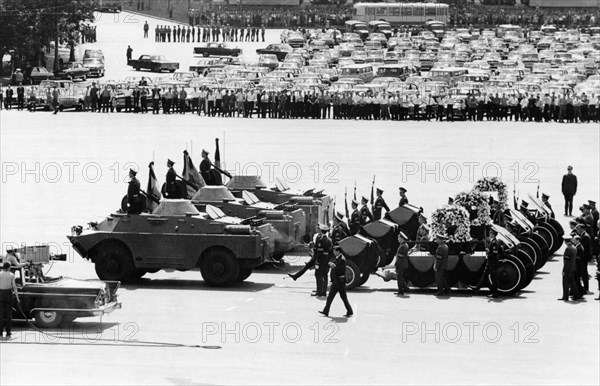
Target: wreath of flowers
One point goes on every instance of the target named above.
(451, 221)
(493, 184)
(475, 201)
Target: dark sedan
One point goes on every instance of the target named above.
(280, 50)
(73, 70)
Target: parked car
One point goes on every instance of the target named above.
(217, 49)
(53, 301)
(95, 65)
(72, 97)
(72, 71)
(279, 50)
(268, 60)
(156, 63)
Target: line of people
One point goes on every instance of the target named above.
(207, 33)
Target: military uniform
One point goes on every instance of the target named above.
(378, 205)
(355, 222)
(403, 199)
(494, 253)
(338, 279)
(401, 265)
(568, 273)
(172, 189)
(322, 252)
(569, 189)
(339, 232)
(365, 215)
(134, 199)
(440, 266)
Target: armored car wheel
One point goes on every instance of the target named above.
(352, 275)
(219, 267)
(48, 319)
(510, 274)
(113, 262)
(528, 264)
(244, 274)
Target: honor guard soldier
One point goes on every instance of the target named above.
(340, 230)
(365, 214)
(354, 218)
(494, 252)
(172, 189)
(8, 288)
(401, 263)
(545, 198)
(205, 166)
(584, 254)
(586, 217)
(440, 266)
(134, 199)
(569, 189)
(322, 253)
(403, 198)
(594, 234)
(338, 279)
(568, 272)
(379, 204)
(497, 215)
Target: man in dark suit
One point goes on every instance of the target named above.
(20, 96)
(568, 272)
(583, 245)
(379, 204)
(440, 266)
(338, 278)
(569, 189)
(172, 189)
(401, 263)
(403, 198)
(355, 218)
(134, 198)
(365, 214)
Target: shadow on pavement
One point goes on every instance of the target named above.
(196, 285)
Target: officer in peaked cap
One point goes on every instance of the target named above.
(569, 268)
(545, 199)
(322, 253)
(403, 198)
(355, 220)
(171, 188)
(134, 198)
(401, 263)
(340, 230)
(365, 214)
(379, 204)
(204, 168)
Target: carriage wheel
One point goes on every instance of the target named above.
(510, 273)
(533, 249)
(527, 261)
(555, 243)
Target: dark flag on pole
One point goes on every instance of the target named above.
(191, 175)
(152, 191)
(217, 154)
(373, 193)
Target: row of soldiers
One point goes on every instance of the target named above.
(187, 34)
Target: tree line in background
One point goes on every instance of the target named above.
(28, 26)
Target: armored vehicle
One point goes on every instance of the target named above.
(288, 221)
(317, 206)
(175, 236)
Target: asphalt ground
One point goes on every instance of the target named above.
(71, 168)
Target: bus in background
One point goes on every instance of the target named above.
(401, 13)
(357, 27)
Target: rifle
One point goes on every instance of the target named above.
(515, 198)
(150, 196)
(537, 194)
(346, 202)
(188, 183)
(225, 172)
(372, 193)
(354, 190)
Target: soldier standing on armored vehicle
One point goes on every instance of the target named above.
(205, 166)
(171, 189)
(403, 198)
(545, 198)
(134, 198)
(441, 263)
(340, 230)
(338, 278)
(355, 221)
(401, 263)
(379, 204)
(365, 214)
